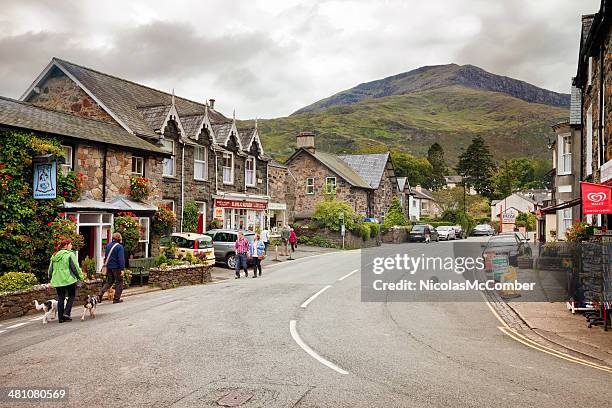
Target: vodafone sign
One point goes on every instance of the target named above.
(596, 198)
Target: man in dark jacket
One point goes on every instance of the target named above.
(115, 266)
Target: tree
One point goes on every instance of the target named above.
(395, 215)
(476, 165)
(519, 174)
(417, 169)
(451, 199)
(435, 157)
(190, 217)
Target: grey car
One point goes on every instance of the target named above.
(223, 242)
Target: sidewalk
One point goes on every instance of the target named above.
(221, 272)
(555, 323)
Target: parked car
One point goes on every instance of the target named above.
(506, 244)
(197, 245)
(374, 220)
(460, 232)
(417, 233)
(223, 242)
(446, 232)
(517, 234)
(483, 229)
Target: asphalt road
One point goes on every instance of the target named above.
(191, 346)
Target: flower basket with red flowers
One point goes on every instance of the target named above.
(163, 220)
(63, 228)
(140, 188)
(71, 185)
(126, 223)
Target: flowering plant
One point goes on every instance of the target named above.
(126, 223)
(163, 220)
(65, 228)
(140, 188)
(71, 185)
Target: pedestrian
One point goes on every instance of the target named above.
(265, 238)
(241, 246)
(293, 240)
(285, 234)
(64, 272)
(114, 260)
(257, 252)
(427, 234)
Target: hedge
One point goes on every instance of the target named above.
(14, 281)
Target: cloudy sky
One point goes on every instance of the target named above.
(268, 58)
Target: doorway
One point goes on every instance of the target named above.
(89, 247)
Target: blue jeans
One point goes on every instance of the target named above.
(241, 261)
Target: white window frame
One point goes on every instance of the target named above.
(231, 168)
(141, 160)
(172, 159)
(246, 172)
(565, 220)
(68, 166)
(589, 141)
(590, 72)
(327, 184)
(564, 153)
(171, 202)
(310, 186)
(204, 163)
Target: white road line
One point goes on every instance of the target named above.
(36, 318)
(17, 325)
(2, 331)
(307, 349)
(313, 297)
(347, 275)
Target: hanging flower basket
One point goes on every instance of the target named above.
(71, 186)
(65, 228)
(140, 188)
(163, 221)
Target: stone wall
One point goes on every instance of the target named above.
(394, 236)
(18, 304)
(282, 185)
(351, 240)
(179, 276)
(385, 192)
(60, 93)
(304, 166)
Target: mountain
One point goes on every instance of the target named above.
(437, 76)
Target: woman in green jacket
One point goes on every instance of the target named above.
(65, 272)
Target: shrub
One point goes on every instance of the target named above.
(395, 216)
(128, 226)
(527, 220)
(327, 215)
(14, 281)
(88, 266)
(215, 224)
(577, 232)
(127, 278)
(366, 231)
(140, 188)
(163, 220)
(161, 259)
(318, 241)
(65, 228)
(191, 215)
(71, 185)
(374, 229)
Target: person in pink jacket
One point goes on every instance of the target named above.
(293, 240)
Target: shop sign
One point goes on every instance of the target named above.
(249, 205)
(508, 218)
(277, 206)
(218, 213)
(45, 180)
(596, 198)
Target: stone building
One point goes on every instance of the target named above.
(210, 161)
(409, 200)
(366, 181)
(282, 184)
(103, 151)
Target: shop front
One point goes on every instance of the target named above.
(277, 215)
(241, 212)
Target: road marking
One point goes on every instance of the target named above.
(347, 275)
(17, 325)
(307, 349)
(36, 318)
(2, 331)
(313, 297)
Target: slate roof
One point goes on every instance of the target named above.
(453, 179)
(155, 116)
(123, 98)
(587, 22)
(192, 124)
(337, 165)
(245, 136)
(424, 194)
(371, 167)
(222, 131)
(575, 106)
(27, 116)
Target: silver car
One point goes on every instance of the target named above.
(223, 242)
(446, 232)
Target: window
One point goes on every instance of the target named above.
(590, 73)
(330, 185)
(228, 168)
(565, 154)
(144, 229)
(310, 185)
(67, 167)
(200, 163)
(250, 172)
(137, 165)
(167, 204)
(169, 168)
(414, 204)
(566, 221)
(589, 141)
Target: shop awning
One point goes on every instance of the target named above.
(117, 205)
(554, 208)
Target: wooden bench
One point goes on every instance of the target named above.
(141, 266)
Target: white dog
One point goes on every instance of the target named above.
(49, 308)
(90, 304)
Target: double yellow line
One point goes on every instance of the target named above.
(507, 330)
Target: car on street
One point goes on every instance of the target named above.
(198, 245)
(517, 234)
(223, 242)
(417, 233)
(446, 232)
(483, 229)
(506, 244)
(460, 233)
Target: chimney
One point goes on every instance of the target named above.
(306, 140)
(418, 188)
(211, 103)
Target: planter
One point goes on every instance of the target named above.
(182, 275)
(525, 263)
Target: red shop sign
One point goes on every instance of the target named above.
(596, 198)
(249, 205)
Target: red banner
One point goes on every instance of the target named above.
(596, 198)
(248, 205)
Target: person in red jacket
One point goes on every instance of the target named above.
(293, 240)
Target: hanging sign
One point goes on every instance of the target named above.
(251, 205)
(45, 180)
(596, 198)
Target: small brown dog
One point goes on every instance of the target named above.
(110, 295)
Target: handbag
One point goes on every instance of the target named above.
(104, 269)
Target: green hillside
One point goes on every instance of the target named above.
(450, 115)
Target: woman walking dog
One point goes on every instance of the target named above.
(65, 272)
